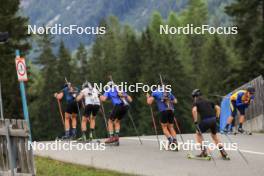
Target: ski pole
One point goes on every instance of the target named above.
(60, 109)
(178, 128)
(154, 124)
(240, 153)
(103, 113)
(135, 128)
(79, 113)
(200, 132)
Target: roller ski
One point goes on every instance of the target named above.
(112, 141)
(67, 137)
(84, 139)
(201, 156)
(242, 131)
(63, 138)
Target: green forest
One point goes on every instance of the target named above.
(216, 64)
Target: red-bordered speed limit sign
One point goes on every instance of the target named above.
(21, 69)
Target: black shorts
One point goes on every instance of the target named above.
(167, 116)
(208, 123)
(234, 109)
(91, 110)
(72, 108)
(118, 112)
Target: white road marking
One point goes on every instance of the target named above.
(252, 152)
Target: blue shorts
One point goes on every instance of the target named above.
(234, 109)
(208, 123)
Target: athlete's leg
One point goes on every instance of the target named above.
(117, 127)
(92, 126)
(230, 119)
(242, 119)
(110, 127)
(216, 139)
(84, 124)
(170, 120)
(74, 120)
(203, 126)
(74, 124)
(67, 124)
(220, 146)
(199, 138)
(83, 128)
(172, 130)
(165, 130)
(92, 122)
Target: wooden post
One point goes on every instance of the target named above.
(9, 148)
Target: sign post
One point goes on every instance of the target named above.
(1, 103)
(22, 76)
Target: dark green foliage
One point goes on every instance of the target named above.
(16, 27)
(248, 15)
(213, 63)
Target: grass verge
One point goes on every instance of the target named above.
(49, 167)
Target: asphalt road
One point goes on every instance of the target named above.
(148, 159)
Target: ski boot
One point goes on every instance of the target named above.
(203, 154)
(241, 130)
(90, 137)
(116, 138)
(65, 137)
(173, 146)
(225, 131)
(82, 138)
(224, 154)
(73, 134)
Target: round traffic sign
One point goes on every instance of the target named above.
(21, 68)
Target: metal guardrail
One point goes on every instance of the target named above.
(15, 158)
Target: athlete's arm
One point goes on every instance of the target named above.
(58, 96)
(195, 114)
(103, 98)
(129, 98)
(173, 99)
(217, 110)
(79, 97)
(150, 99)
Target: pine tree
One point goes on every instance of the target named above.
(248, 16)
(81, 59)
(46, 117)
(215, 67)
(64, 65)
(15, 25)
(196, 14)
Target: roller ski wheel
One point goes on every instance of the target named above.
(198, 157)
(63, 138)
(227, 158)
(112, 141)
(112, 144)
